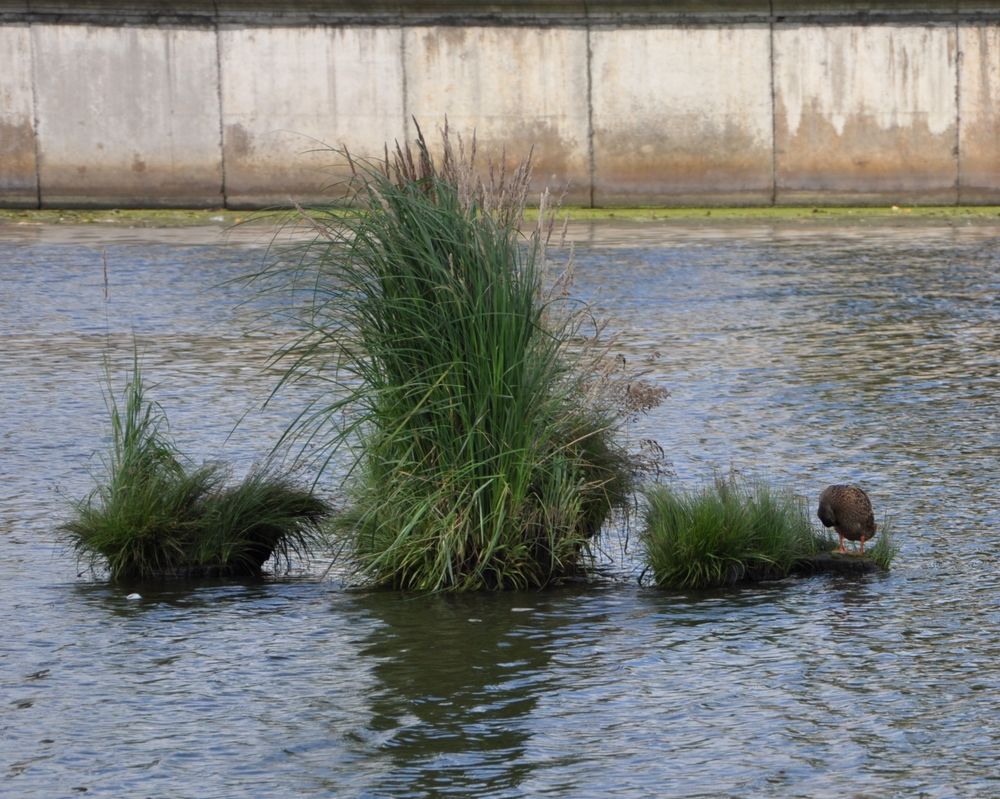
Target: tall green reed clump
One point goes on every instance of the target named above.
(726, 532)
(150, 516)
(479, 455)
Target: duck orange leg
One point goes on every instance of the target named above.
(862, 545)
(842, 547)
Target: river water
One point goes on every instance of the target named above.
(804, 354)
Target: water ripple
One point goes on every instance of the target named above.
(807, 356)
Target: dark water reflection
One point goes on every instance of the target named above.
(806, 355)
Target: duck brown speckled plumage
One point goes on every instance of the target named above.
(847, 510)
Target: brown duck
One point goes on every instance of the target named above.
(847, 510)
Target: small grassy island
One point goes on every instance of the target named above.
(153, 517)
(735, 531)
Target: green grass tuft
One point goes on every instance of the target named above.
(152, 517)
(481, 455)
(729, 531)
(885, 549)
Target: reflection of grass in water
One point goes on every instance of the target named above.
(459, 662)
(152, 517)
(728, 531)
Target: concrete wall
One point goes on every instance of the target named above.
(752, 102)
(531, 91)
(979, 114)
(18, 169)
(684, 113)
(866, 114)
(127, 115)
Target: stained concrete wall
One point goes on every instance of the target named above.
(682, 112)
(18, 170)
(318, 87)
(127, 115)
(866, 114)
(530, 92)
(979, 114)
(755, 102)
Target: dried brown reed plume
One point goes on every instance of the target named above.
(497, 192)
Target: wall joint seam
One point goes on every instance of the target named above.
(35, 116)
(404, 88)
(774, 109)
(223, 187)
(958, 114)
(591, 156)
